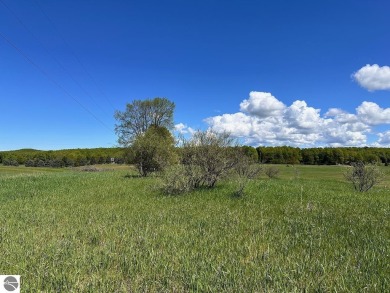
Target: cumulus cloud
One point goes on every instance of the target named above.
(341, 116)
(384, 138)
(372, 114)
(238, 124)
(180, 127)
(262, 105)
(183, 128)
(299, 124)
(300, 116)
(373, 77)
(346, 133)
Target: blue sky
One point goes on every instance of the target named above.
(300, 73)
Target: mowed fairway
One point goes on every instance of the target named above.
(70, 231)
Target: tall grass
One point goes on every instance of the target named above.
(107, 232)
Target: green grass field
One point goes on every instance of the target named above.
(69, 231)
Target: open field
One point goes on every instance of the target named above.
(69, 231)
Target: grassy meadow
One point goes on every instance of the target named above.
(64, 230)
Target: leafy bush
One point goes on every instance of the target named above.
(272, 172)
(208, 156)
(176, 180)
(363, 177)
(154, 150)
(244, 171)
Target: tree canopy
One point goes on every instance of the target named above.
(154, 150)
(140, 115)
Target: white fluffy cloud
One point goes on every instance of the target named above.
(183, 129)
(238, 124)
(372, 114)
(373, 77)
(341, 116)
(259, 123)
(384, 138)
(300, 116)
(262, 105)
(336, 133)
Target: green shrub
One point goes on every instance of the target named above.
(363, 177)
(176, 180)
(209, 156)
(272, 172)
(154, 150)
(243, 172)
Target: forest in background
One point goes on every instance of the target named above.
(262, 154)
(63, 158)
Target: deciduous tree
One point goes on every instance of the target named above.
(154, 150)
(140, 115)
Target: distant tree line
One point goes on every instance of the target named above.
(64, 158)
(266, 155)
(323, 156)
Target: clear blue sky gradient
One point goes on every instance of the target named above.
(66, 66)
